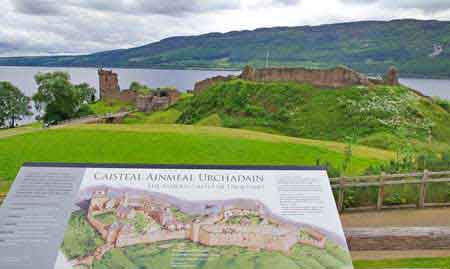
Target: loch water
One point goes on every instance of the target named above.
(183, 80)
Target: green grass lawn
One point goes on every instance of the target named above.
(435, 263)
(17, 131)
(173, 144)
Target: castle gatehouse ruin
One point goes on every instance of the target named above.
(337, 77)
(158, 99)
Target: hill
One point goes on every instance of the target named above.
(417, 48)
(381, 116)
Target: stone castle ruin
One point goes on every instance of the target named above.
(337, 77)
(145, 102)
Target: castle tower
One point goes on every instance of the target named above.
(392, 76)
(249, 73)
(108, 84)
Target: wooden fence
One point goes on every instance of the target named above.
(384, 180)
(381, 181)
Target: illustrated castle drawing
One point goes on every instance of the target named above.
(143, 219)
(145, 102)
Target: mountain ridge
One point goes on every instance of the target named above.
(367, 46)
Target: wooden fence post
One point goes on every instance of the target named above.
(423, 190)
(341, 194)
(381, 192)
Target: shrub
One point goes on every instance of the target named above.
(445, 104)
(395, 199)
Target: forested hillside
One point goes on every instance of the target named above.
(417, 48)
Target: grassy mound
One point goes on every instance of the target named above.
(172, 144)
(112, 106)
(212, 120)
(301, 110)
(160, 117)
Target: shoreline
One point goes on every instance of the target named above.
(194, 68)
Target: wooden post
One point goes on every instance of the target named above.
(341, 194)
(381, 192)
(423, 190)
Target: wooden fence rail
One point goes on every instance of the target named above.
(383, 180)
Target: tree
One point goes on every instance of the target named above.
(60, 99)
(140, 88)
(13, 104)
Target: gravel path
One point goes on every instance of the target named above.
(398, 218)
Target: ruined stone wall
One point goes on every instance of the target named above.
(128, 96)
(157, 101)
(337, 77)
(200, 86)
(174, 96)
(334, 78)
(143, 102)
(110, 90)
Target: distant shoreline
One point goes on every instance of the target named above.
(402, 75)
(132, 67)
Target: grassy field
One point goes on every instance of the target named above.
(435, 263)
(176, 144)
(20, 130)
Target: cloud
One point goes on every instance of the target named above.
(43, 27)
(37, 7)
(169, 7)
(424, 5)
(287, 2)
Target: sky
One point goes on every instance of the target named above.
(62, 27)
